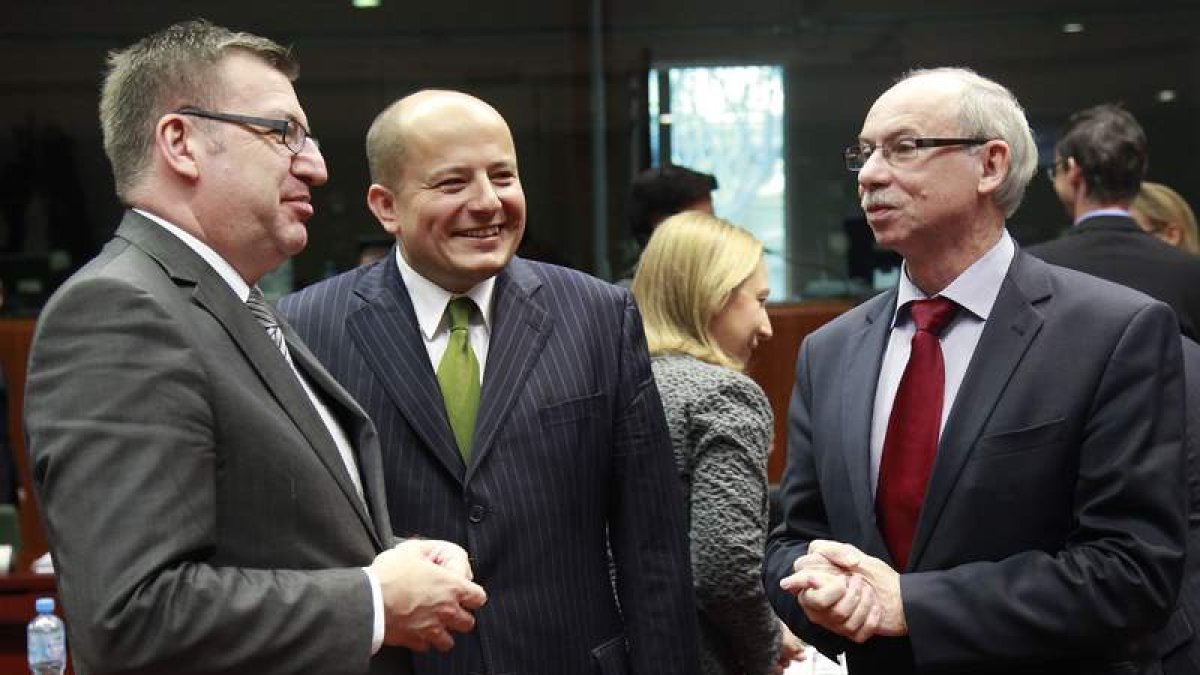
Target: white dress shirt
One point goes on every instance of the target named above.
(975, 291)
(429, 302)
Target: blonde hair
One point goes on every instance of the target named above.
(1163, 206)
(691, 265)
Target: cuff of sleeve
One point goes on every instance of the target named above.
(377, 601)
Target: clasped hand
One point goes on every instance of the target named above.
(847, 592)
(427, 593)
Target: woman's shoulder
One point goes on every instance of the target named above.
(689, 376)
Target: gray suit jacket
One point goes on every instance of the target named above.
(1052, 534)
(570, 456)
(200, 517)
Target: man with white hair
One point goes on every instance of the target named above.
(985, 468)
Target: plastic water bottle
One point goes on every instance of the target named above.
(47, 644)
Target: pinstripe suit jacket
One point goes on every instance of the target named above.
(571, 455)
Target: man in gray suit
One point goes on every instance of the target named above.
(985, 464)
(213, 499)
(563, 452)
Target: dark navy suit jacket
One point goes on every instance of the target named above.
(1052, 535)
(1179, 640)
(1116, 248)
(571, 456)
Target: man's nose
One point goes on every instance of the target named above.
(309, 164)
(875, 170)
(485, 197)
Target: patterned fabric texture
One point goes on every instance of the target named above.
(721, 427)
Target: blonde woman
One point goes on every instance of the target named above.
(701, 286)
(1162, 212)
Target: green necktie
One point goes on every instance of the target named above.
(458, 376)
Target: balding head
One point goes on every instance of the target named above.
(387, 139)
(445, 184)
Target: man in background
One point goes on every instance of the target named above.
(660, 192)
(516, 408)
(1099, 164)
(213, 499)
(985, 464)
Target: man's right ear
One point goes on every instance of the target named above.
(175, 144)
(382, 203)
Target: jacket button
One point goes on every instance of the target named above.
(477, 513)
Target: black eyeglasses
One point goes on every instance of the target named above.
(901, 150)
(292, 134)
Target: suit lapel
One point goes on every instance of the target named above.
(212, 294)
(1010, 329)
(384, 329)
(858, 402)
(519, 330)
(353, 420)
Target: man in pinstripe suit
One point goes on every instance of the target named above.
(569, 457)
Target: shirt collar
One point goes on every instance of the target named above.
(1114, 211)
(430, 300)
(975, 289)
(214, 259)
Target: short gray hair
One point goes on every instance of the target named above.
(161, 72)
(988, 110)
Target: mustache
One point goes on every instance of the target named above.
(870, 200)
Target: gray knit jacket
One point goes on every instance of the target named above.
(721, 427)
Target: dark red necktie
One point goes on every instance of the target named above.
(913, 428)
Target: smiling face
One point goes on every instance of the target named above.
(255, 193)
(458, 209)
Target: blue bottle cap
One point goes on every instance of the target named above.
(44, 605)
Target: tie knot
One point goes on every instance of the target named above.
(459, 311)
(933, 314)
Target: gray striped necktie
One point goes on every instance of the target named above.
(262, 311)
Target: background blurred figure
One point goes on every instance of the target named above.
(1099, 164)
(663, 191)
(1162, 212)
(372, 248)
(702, 288)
